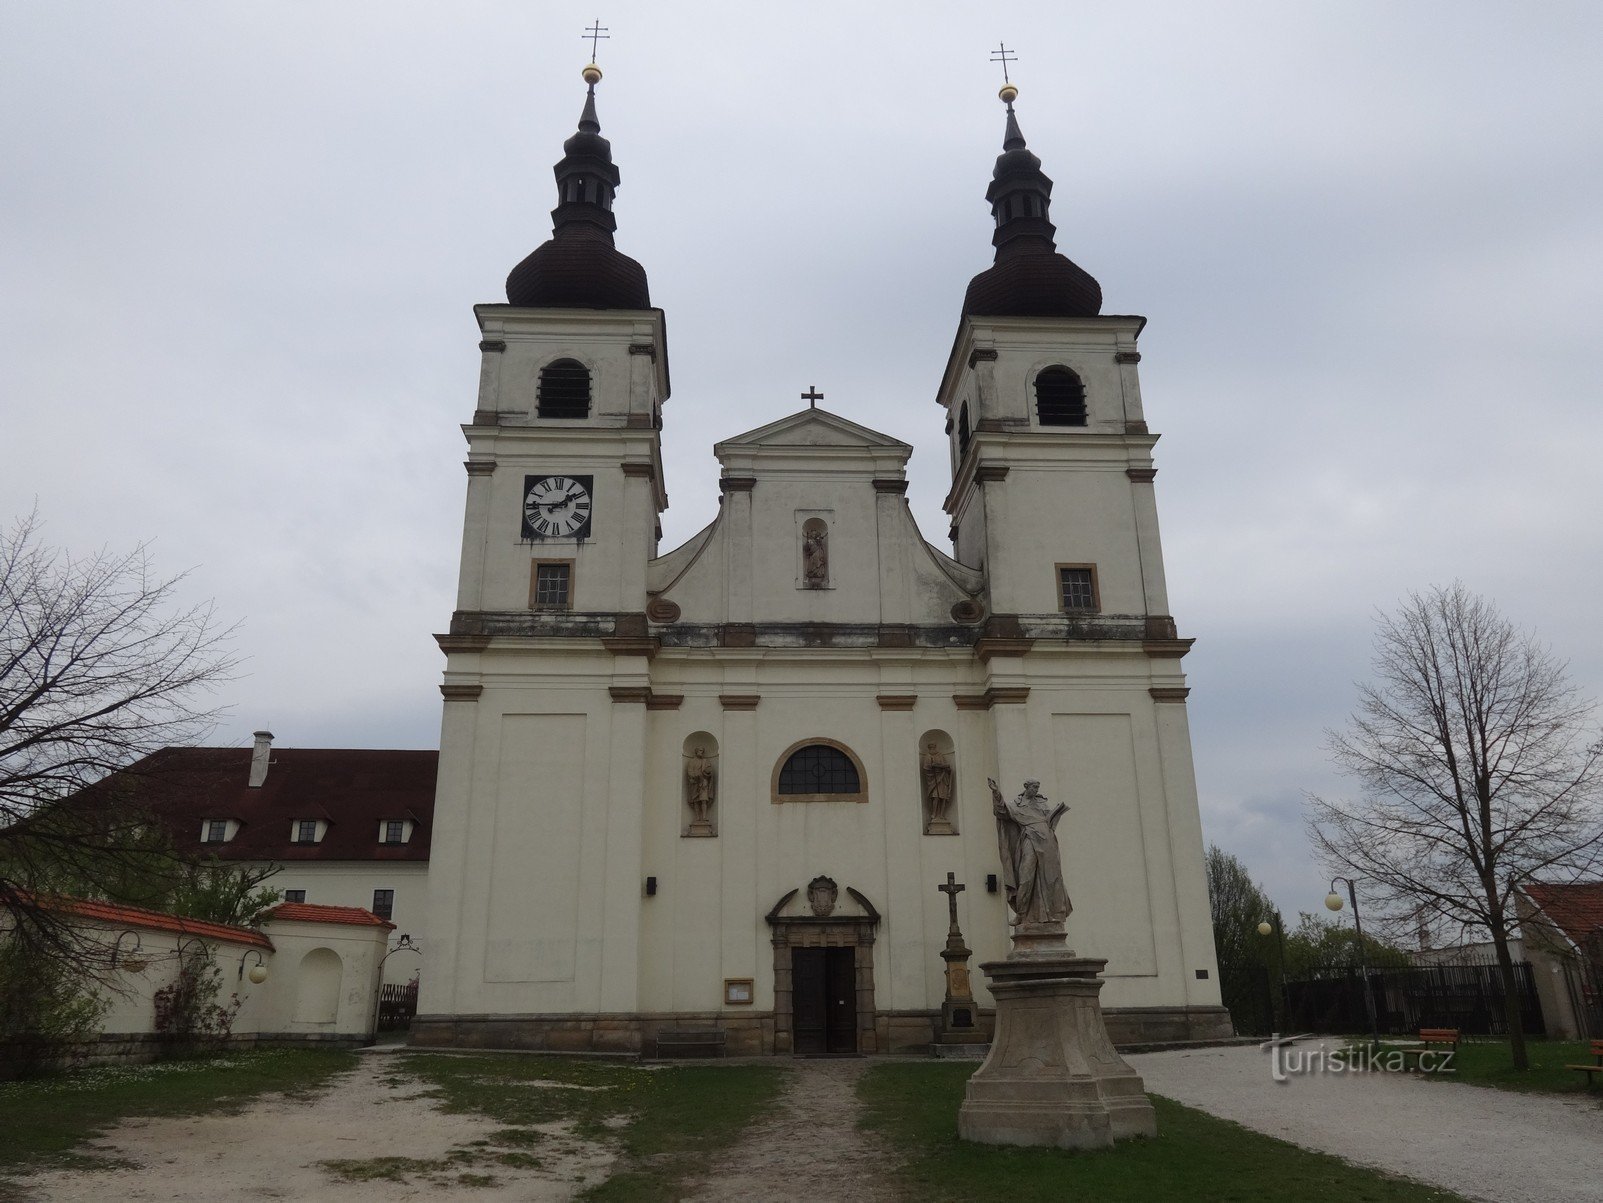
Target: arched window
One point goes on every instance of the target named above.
(962, 431)
(564, 390)
(1059, 397)
(818, 770)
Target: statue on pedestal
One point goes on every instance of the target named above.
(700, 790)
(937, 791)
(1032, 869)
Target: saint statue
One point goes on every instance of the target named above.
(937, 787)
(1032, 870)
(700, 789)
(815, 555)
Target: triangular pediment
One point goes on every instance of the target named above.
(812, 428)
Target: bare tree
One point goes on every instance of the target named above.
(1480, 768)
(100, 665)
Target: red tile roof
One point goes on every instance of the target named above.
(1576, 909)
(352, 789)
(308, 912)
(134, 916)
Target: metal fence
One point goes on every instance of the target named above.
(396, 1006)
(1468, 997)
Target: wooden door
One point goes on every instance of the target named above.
(824, 1000)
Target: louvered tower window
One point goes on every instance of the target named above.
(564, 390)
(962, 431)
(1059, 398)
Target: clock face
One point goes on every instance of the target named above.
(556, 507)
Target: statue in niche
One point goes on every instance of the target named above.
(821, 895)
(937, 791)
(1032, 868)
(815, 555)
(701, 789)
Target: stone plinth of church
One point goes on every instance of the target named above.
(1052, 1076)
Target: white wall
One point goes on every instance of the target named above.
(351, 883)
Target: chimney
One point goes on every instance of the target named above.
(259, 758)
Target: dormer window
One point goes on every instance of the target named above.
(217, 831)
(564, 390)
(308, 831)
(1059, 397)
(394, 831)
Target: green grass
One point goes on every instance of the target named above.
(1483, 1061)
(667, 1123)
(44, 1120)
(1195, 1156)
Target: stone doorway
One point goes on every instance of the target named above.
(823, 1000)
(842, 962)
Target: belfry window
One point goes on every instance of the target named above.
(1059, 397)
(564, 390)
(962, 431)
(816, 771)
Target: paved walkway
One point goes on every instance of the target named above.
(810, 1148)
(1486, 1144)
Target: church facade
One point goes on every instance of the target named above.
(711, 792)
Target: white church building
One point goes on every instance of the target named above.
(714, 788)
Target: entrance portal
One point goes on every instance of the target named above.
(824, 981)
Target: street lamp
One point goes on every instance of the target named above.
(1265, 927)
(1333, 902)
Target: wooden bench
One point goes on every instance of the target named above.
(1431, 1040)
(1591, 1071)
(690, 1042)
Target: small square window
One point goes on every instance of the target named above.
(1077, 589)
(394, 831)
(552, 585)
(306, 831)
(216, 831)
(294, 895)
(383, 903)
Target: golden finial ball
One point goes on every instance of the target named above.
(592, 74)
(1008, 93)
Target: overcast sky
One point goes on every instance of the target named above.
(242, 243)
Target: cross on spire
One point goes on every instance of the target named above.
(952, 889)
(597, 33)
(1004, 56)
(812, 396)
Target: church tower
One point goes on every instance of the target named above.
(536, 846)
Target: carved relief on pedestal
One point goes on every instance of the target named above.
(938, 776)
(700, 784)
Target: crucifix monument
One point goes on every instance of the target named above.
(957, 1011)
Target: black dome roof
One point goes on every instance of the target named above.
(579, 267)
(1030, 278)
(1039, 284)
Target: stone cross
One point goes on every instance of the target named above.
(812, 396)
(952, 889)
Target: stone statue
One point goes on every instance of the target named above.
(1032, 868)
(815, 556)
(937, 790)
(701, 789)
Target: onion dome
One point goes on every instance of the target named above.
(1029, 278)
(579, 268)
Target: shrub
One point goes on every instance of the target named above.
(48, 1015)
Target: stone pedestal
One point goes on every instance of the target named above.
(1052, 1076)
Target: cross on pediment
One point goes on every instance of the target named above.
(812, 396)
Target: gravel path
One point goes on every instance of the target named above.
(271, 1150)
(810, 1148)
(1487, 1144)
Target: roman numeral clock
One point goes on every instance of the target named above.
(557, 507)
